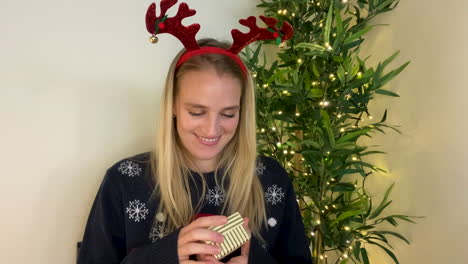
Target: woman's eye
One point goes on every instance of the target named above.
(228, 116)
(195, 114)
(202, 113)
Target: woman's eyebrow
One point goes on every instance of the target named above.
(234, 107)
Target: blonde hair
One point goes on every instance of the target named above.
(171, 162)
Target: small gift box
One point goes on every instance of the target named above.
(235, 235)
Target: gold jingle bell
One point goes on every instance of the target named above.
(153, 39)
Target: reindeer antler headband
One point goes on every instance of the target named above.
(173, 25)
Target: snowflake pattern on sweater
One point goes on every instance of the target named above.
(215, 196)
(274, 195)
(129, 168)
(136, 210)
(157, 232)
(125, 225)
(260, 168)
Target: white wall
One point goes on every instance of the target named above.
(79, 88)
(427, 161)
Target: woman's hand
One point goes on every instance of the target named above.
(242, 259)
(191, 239)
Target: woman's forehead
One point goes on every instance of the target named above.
(206, 89)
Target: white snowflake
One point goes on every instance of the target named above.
(157, 232)
(161, 217)
(137, 210)
(130, 168)
(264, 246)
(272, 222)
(274, 195)
(215, 196)
(260, 168)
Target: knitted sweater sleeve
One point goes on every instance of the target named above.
(104, 239)
(286, 241)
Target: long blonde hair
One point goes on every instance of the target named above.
(170, 162)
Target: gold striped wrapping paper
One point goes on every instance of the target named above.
(235, 235)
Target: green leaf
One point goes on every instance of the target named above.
(389, 59)
(366, 227)
(343, 187)
(339, 23)
(395, 234)
(384, 202)
(353, 135)
(316, 72)
(328, 23)
(257, 51)
(389, 76)
(345, 215)
(338, 59)
(316, 93)
(371, 5)
(384, 118)
(390, 253)
(390, 220)
(352, 44)
(347, 171)
(311, 152)
(311, 143)
(386, 92)
(341, 75)
(379, 237)
(327, 126)
(379, 210)
(357, 250)
(372, 152)
(357, 35)
(406, 218)
(384, 4)
(365, 258)
(310, 46)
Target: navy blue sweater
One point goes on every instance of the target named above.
(124, 225)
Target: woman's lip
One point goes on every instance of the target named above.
(209, 143)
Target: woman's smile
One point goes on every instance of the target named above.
(208, 141)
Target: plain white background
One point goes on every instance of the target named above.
(79, 90)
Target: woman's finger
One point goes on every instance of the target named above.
(210, 259)
(198, 248)
(246, 223)
(201, 257)
(205, 222)
(200, 234)
(238, 260)
(245, 249)
(194, 262)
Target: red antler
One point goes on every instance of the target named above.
(173, 25)
(272, 32)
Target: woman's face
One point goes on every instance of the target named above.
(207, 109)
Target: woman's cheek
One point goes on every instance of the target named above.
(232, 124)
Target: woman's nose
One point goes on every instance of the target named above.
(211, 126)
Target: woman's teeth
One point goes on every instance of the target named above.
(208, 140)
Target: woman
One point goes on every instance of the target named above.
(149, 207)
